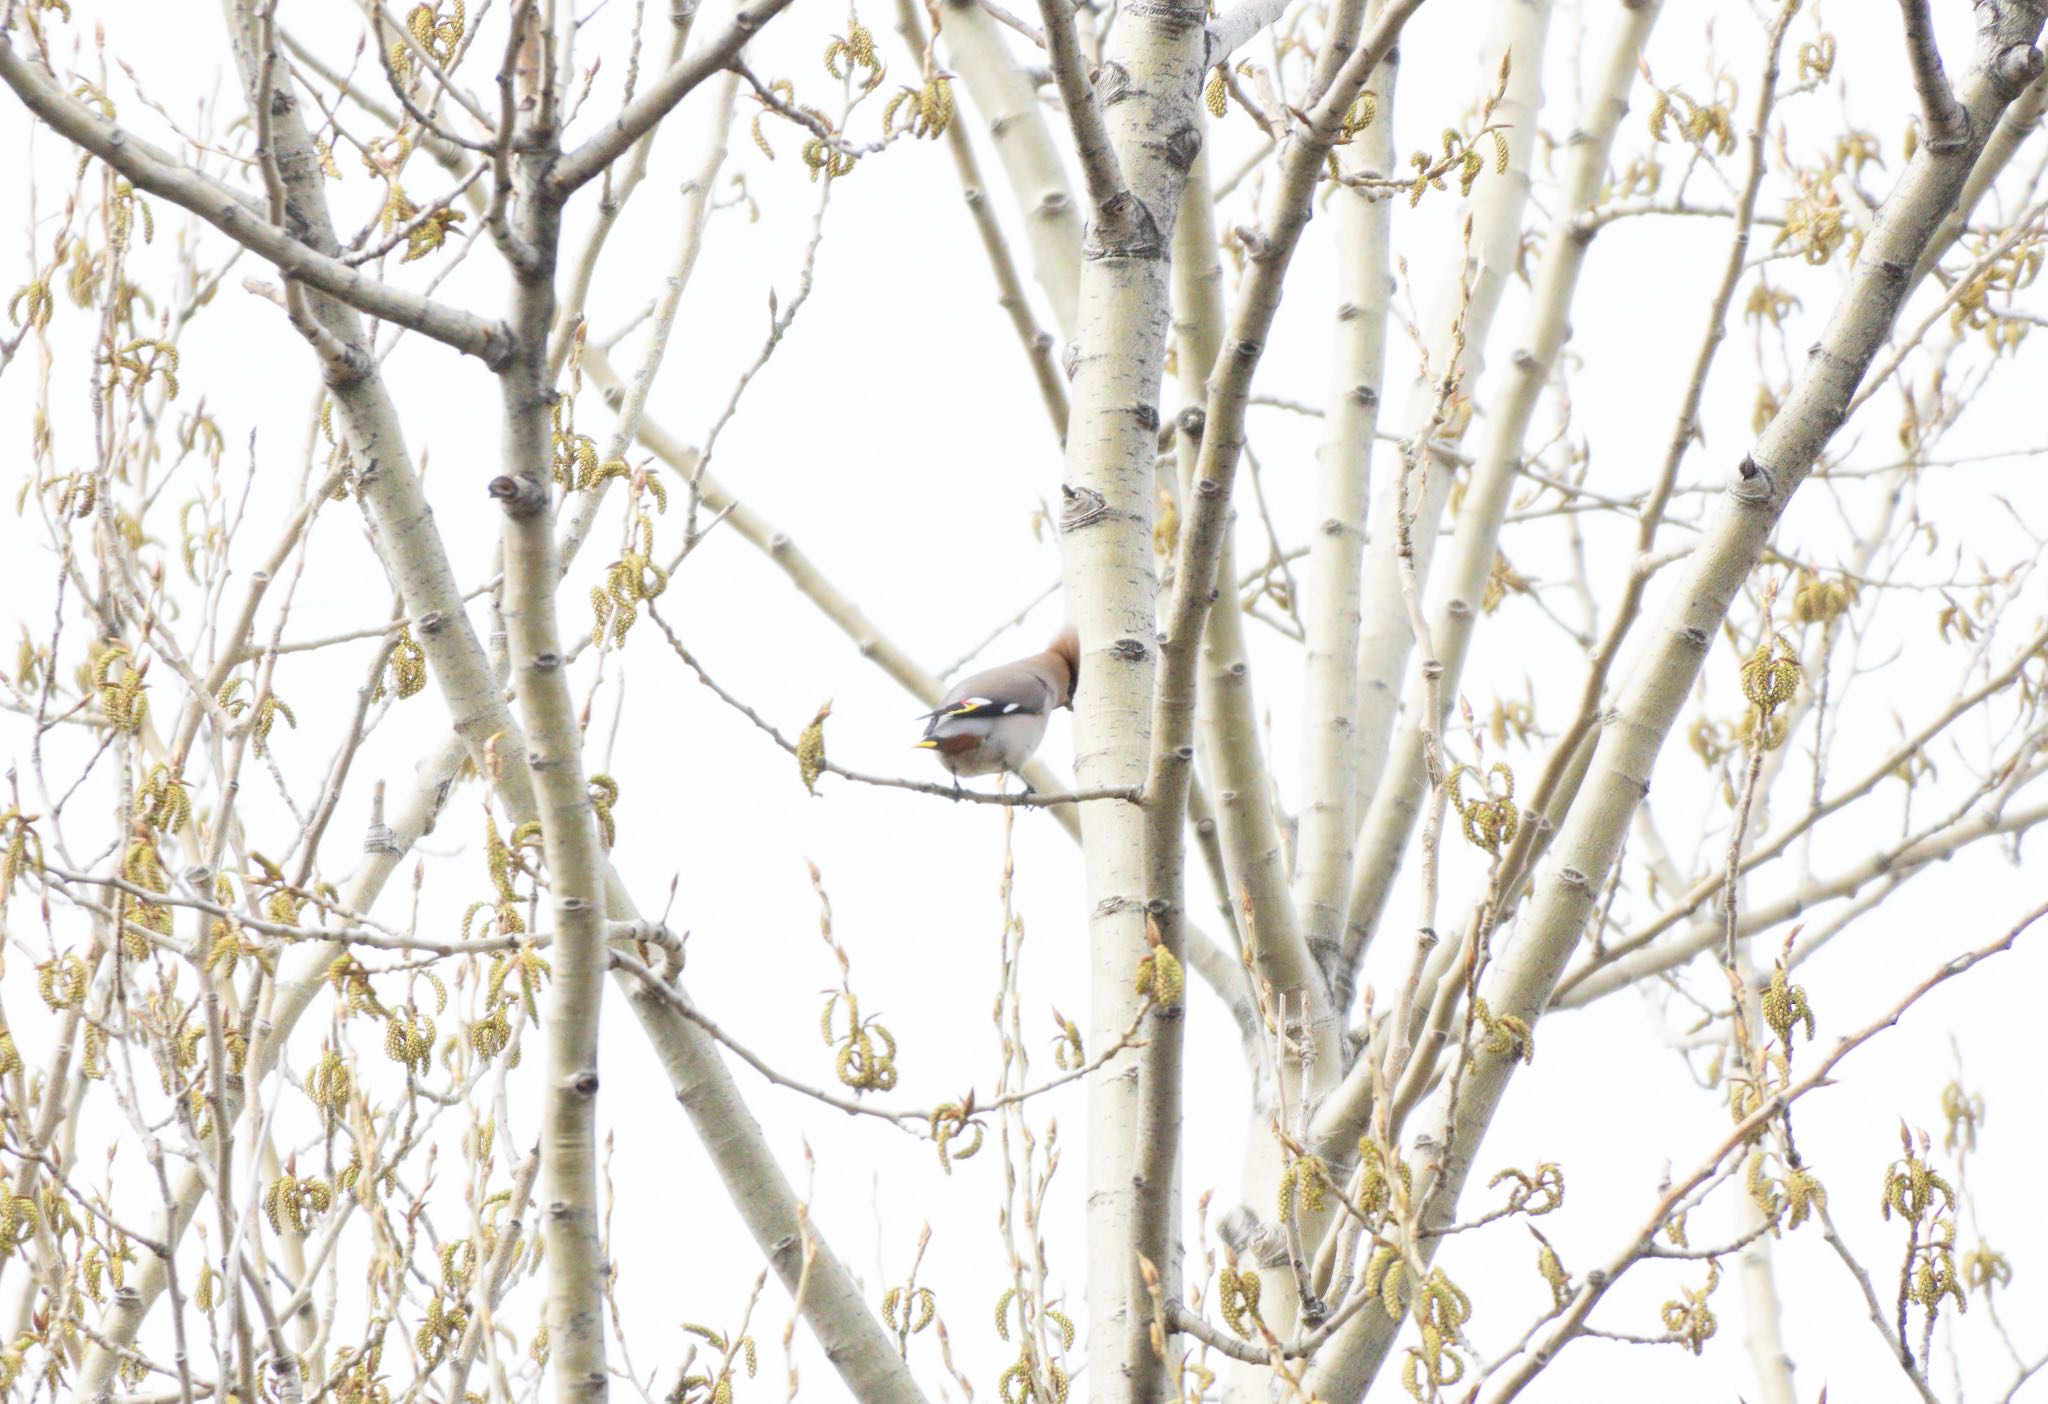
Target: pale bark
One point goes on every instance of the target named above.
(1152, 69)
(1331, 614)
(1461, 312)
(2020, 121)
(1557, 785)
(300, 251)
(1240, 786)
(412, 550)
(1155, 1228)
(1398, 798)
(660, 96)
(1237, 24)
(1202, 556)
(1008, 102)
(575, 863)
(843, 1320)
(1648, 703)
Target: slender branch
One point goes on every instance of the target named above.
(1565, 766)
(1099, 169)
(1007, 98)
(1597, 1284)
(1599, 977)
(374, 10)
(1456, 332)
(150, 169)
(580, 166)
(1947, 124)
(614, 192)
(1899, 1350)
(1027, 800)
(1037, 343)
(1647, 707)
(1404, 783)
(1220, 432)
(484, 1298)
(902, 1116)
(696, 212)
(1333, 608)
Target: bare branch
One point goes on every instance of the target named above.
(1028, 799)
(150, 169)
(1236, 25)
(1947, 123)
(1107, 192)
(576, 168)
(1597, 1285)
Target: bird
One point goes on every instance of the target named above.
(994, 720)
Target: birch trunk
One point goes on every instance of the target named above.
(1398, 798)
(1336, 553)
(1463, 309)
(1008, 102)
(1197, 308)
(1663, 676)
(1202, 555)
(411, 547)
(569, 840)
(1149, 85)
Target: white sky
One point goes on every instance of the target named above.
(897, 436)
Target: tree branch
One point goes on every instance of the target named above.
(1397, 798)
(1947, 123)
(1026, 800)
(1332, 608)
(1457, 330)
(1236, 26)
(1597, 1284)
(578, 167)
(1647, 706)
(1099, 168)
(1008, 101)
(155, 171)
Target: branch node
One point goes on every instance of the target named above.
(2017, 67)
(521, 499)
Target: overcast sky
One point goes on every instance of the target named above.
(897, 436)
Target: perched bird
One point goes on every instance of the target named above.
(995, 719)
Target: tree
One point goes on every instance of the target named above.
(249, 1074)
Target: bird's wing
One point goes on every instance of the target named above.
(989, 707)
(999, 692)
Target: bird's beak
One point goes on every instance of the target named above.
(925, 746)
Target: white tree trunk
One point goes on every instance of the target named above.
(1648, 704)
(1403, 785)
